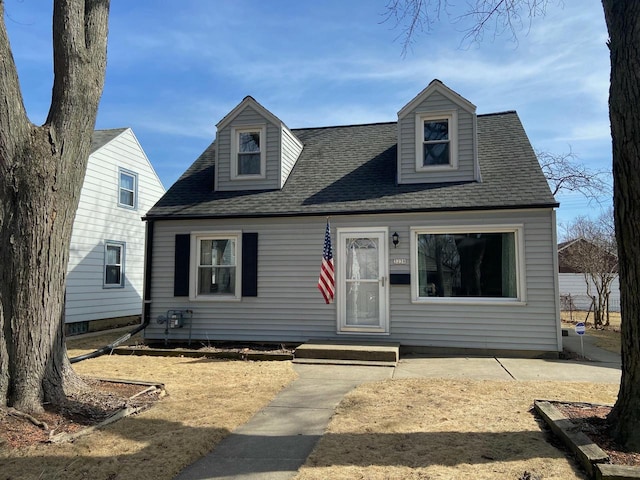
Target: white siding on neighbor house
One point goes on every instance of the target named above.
(247, 117)
(290, 308)
(574, 284)
(99, 219)
(466, 171)
(291, 149)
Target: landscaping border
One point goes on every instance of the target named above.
(594, 460)
(180, 352)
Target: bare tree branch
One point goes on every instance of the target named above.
(565, 174)
(592, 252)
(413, 16)
(497, 16)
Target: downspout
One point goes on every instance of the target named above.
(146, 304)
(556, 281)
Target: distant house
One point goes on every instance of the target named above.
(106, 258)
(442, 223)
(573, 283)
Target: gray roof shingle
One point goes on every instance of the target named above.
(352, 169)
(101, 137)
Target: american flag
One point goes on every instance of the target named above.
(327, 281)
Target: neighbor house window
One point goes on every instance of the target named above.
(436, 137)
(480, 263)
(217, 269)
(127, 189)
(248, 152)
(113, 264)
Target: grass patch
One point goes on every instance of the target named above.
(207, 400)
(587, 317)
(607, 338)
(409, 429)
(419, 429)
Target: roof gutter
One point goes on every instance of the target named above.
(151, 218)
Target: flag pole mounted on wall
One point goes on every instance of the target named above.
(327, 281)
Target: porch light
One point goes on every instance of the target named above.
(395, 238)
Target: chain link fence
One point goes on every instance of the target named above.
(579, 308)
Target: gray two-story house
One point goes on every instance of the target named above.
(442, 228)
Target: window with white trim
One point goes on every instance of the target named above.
(467, 264)
(113, 264)
(127, 189)
(248, 152)
(216, 273)
(436, 141)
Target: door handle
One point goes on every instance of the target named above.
(382, 281)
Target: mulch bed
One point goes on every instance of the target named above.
(592, 420)
(220, 347)
(103, 400)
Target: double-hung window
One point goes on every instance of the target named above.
(436, 141)
(127, 189)
(467, 264)
(217, 269)
(113, 264)
(248, 152)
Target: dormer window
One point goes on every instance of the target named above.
(436, 141)
(248, 152)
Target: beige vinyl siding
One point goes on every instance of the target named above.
(223, 181)
(466, 170)
(99, 218)
(289, 307)
(291, 149)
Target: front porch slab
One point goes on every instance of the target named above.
(342, 352)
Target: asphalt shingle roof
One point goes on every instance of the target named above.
(101, 137)
(352, 169)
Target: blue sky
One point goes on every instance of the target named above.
(176, 68)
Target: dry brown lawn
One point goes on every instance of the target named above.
(587, 317)
(446, 429)
(607, 339)
(404, 429)
(207, 400)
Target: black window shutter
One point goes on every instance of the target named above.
(181, 266)
(249, 264)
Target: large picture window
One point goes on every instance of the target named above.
(217, 271)
(248, 152)
(476, 264)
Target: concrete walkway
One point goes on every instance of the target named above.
(278, 439)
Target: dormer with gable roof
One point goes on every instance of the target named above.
(437, 138)
(254, 149)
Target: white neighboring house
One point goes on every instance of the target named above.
(106, 257)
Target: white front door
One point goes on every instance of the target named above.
(362, 280)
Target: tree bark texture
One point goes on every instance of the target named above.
(623, 24)
(42, 170)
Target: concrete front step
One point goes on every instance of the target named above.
(365, 353)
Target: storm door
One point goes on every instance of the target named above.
(362, 281)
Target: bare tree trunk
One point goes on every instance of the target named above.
(623, 24)
(41, 174)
